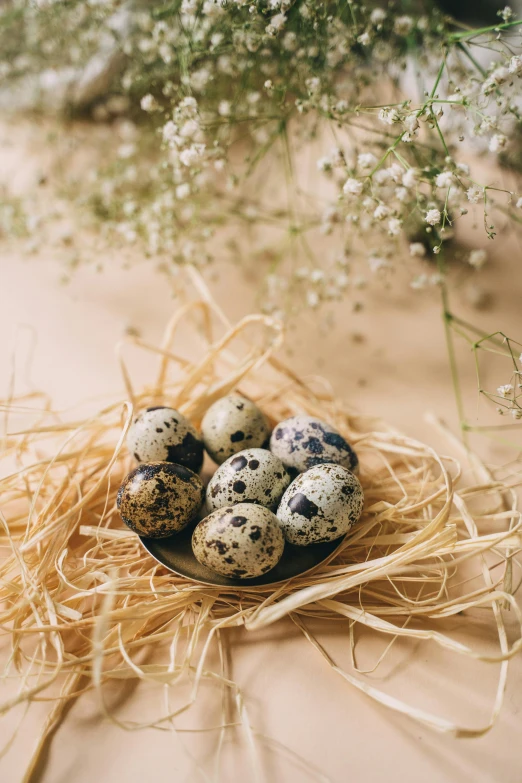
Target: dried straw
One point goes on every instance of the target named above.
(84, 602)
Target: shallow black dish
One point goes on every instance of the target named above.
(175, 553)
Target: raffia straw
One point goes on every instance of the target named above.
(84, 602)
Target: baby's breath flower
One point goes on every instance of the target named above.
(366, 160)
(505, 390)
(477, 258)
(474, 194)
(352, 187)
(148, 103)
(403, 25)
(377, 16)
(277, 23)
(389, 115)
(224, 108)
(432, 217)
(444, 179)
(410, 178)
(497, 142)
(364, 39)
(183, 190)
(378, 264)
(394, 227)
(380, 212)
(515, 65)
(417, 249)
(324, 164)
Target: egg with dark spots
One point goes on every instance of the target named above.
(160, 498)
(304, 441)
(250, 476)
(164, 434)
(242, 541)
(321, 505)
(232, 424)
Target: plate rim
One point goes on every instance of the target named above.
(244, 584)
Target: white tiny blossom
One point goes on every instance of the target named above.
(394, 226)
(505, 390)
(312, 299)
(380, 212)
(191, 155)
(277, 23)
(477, 258)
(411, 123)
(401, 194)
(366, 160)
(377, 16)
(224, 108)
(432, 217)
(377, 264)
(403, 25)
(516, 413)
(324, 164)
(364, 39)
(126, 151)
(496, 78)
(382, 176)
(149, 103)
(444, 179)
(417, 249)
(189, 129)
(183, 190)
(474, 194)
(498, 141)
(410, 178)
(389, 116)
(352, 187)
(515, 65)
(395, 172)
(519, 203)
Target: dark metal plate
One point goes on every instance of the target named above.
(175, 553)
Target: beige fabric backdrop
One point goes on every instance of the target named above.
(380, 363)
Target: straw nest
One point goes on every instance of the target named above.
(81, 598)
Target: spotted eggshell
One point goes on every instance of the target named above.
(250, 476)
(320, 505)
(241, 541)
(160, 498)
(304, 441)
(164, 434)
(232, 424)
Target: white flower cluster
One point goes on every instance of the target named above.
(228, 85)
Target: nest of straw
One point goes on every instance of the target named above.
(81, 597)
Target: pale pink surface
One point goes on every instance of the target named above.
(291, 695)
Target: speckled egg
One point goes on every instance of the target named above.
(304, 441)
(232, 424)
(250, 476)
(320, 505)
(242, 541)
(160, 498)
(164, 434)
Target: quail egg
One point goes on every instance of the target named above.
(160, 498)
(250, 476)
(304, 441)
(242, 541)
(232, 424)
(320, 505)
(164, 434)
